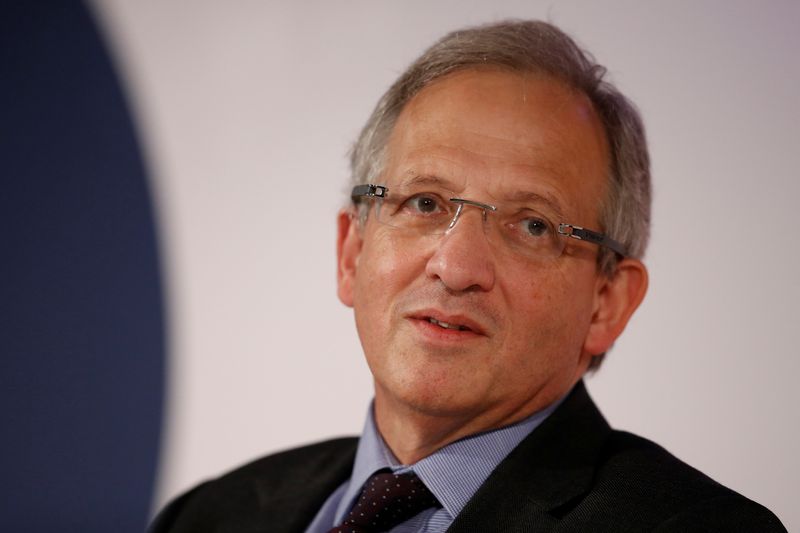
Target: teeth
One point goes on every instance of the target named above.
(445, 324)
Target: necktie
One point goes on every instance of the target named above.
(387, 500)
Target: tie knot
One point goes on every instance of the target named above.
(387, 500)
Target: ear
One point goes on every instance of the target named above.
(616, 298)
(348, 248)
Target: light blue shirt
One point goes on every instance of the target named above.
(453, 474)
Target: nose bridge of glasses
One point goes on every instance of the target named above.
(461, 202)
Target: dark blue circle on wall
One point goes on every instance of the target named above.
(81, 320)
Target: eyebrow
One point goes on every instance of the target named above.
(527, 197)
(430, 179)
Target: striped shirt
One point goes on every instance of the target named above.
(453, 474)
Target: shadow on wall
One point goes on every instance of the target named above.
(81, 320)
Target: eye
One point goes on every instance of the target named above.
(535, 227)
(532, 234)
(424, 204)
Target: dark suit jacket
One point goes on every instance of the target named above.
(573, 473)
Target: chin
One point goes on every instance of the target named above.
(433, 397)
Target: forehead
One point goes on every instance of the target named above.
(497, 133)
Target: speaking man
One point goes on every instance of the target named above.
(491, 253)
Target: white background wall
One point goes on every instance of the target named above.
(247, 110)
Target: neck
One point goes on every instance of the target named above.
(413, 434)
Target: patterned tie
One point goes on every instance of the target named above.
(387, 500)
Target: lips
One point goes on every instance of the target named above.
(449, 322)
(445, 325)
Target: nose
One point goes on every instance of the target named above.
(463, 260)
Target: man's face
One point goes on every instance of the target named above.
(493, 137)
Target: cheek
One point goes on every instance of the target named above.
(538, 299)
(385, 270)
(549, 320)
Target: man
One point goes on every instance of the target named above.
(492, 256)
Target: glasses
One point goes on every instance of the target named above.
(526, 230)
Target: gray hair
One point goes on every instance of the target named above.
(535, 47)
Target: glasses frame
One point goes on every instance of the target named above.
(572, 231)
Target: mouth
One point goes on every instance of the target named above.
(447, 325)
(458, 325)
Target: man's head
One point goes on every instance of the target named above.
(531, 47)
(465, 322)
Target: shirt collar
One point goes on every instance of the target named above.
(453, 474)
(372, 455)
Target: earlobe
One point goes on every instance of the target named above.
(616, 299)
(348, 248)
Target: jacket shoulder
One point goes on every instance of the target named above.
(249, 494)
(639, 479)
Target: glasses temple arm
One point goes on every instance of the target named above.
(368, 190)
(583, 234)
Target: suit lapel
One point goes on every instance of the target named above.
(289, 502)
(550, 468)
